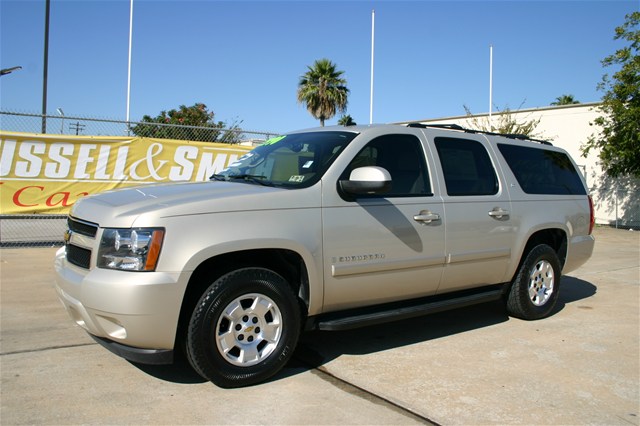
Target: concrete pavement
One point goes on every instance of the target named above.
(469, 366)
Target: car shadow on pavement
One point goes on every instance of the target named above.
(178, 372)
(317, 348)
(320, 347)
(572, 290)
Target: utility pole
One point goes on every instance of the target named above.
(77, 127)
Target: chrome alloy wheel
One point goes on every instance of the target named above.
(541, 282)
(249, 330)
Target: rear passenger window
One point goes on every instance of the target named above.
(467, 167)
(540, 171)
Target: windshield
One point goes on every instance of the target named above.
(295, 161)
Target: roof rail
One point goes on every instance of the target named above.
(484, 132)
(438, 126)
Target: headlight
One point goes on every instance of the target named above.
(130, 249)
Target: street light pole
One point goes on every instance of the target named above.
(6, 71)
(61, 112)
(373, 23)
(45, 66)
(490, 86)
(129, 63)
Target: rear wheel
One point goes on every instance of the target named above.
(244, 328)
(534, 290)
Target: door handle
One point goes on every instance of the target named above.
(498, 213)
(425, 216)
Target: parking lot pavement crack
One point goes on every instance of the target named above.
(48, 348)
(365, 394)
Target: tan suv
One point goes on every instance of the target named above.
(329, 228)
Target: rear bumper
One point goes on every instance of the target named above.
(579, 251)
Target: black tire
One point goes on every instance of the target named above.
(534, 290)
(244, 328)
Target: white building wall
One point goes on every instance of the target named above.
(617, 201)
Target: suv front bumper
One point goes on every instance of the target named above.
(137, 311)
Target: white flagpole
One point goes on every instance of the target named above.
(373, 23)
(490, 85)
(129, 65)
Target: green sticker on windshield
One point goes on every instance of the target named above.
(274, 140)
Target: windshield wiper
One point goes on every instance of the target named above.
(259, 179)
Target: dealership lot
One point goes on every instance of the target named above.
(469, 366)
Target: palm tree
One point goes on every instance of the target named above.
(323, 90)
(565, 100)
(346, 120)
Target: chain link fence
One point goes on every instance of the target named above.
(46, 230)
(85, 126)
(40, 230)
(617, 205)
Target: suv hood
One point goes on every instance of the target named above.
(120, 208)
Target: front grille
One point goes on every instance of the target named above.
(78, 256)
(81, 227)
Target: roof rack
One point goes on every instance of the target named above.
(463, 129)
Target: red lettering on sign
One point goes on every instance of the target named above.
(64, 200)
(23, 197)
(16, 196)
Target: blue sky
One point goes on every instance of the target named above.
(243, 59)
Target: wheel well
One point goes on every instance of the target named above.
(286, 263)
(555, 238)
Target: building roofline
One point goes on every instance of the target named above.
(486, 114)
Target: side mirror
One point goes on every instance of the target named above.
(367, 181)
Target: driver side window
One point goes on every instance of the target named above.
(403, 157)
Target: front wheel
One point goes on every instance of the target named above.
(534, 290)
(244, 328)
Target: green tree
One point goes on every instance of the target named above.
(565, 100)
(346, 120)
(504, 122)
(618, 141)
(323, 90)
(194, 123)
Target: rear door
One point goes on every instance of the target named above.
(383, 248)
(479, 228)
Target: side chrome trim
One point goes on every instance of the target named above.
(474, 256)
(367, 267)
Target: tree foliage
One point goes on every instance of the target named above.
(618, 141)
(346, 120)
(504, 122)
(565, 100)
(194, 123)
(323, 90)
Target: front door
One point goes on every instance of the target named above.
(383, 248)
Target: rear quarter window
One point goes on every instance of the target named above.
(541, 171)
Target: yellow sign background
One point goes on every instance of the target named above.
(48, 173)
